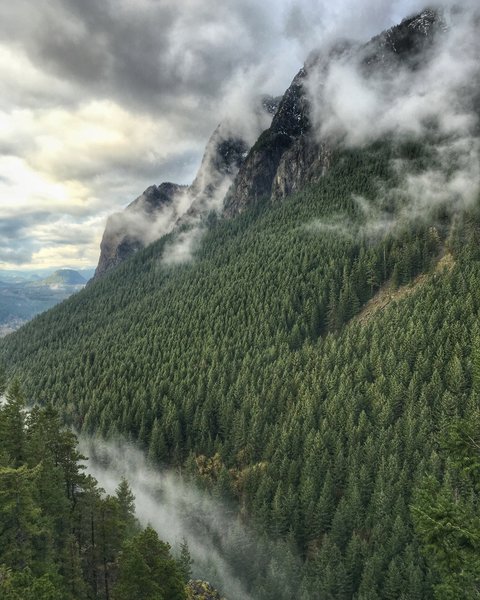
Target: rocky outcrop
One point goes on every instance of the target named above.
(256, 175)
(201, 590)
(287, 156)
(305, 162)
(407, 41)
(224, 154)
(160, 208)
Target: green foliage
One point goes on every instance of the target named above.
(185, 561)
(21, 585)
(447, 515)
(147, 571)
(3, 380)
(60, 537)
(12, 422)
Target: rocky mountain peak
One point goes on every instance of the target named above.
(287, 156)
(406, 41)
(128, 231)
(154, 197)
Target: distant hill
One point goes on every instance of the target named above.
(22, 298)
(63, 277)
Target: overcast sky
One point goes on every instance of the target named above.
(102, 98)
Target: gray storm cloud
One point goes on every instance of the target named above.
(152, 56)
(177, 59)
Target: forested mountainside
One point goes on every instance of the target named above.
(324, 416)
(316, 363)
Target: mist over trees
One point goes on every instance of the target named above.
(300, 372)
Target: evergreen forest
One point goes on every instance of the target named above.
(316, 366)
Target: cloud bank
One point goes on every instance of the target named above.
(358, 106)
(435, 101)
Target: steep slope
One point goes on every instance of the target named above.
(287, 156)
(128, 231)
(232, 356)
(46, 499)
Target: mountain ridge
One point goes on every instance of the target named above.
(161, 208)
(286, 157)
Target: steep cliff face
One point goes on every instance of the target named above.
(288, 155)
(303, 163)
(129, 231)
(285, 158)
(224, 154)
(256, 175)
(160, 208)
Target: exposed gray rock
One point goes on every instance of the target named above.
(285, 158)
(407, 41)
(224, 154)
(256, 175)
(304, 163)
(128, 231)
(160, 208)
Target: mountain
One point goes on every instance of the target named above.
(63, 277)
(315, 365)
(129, 231)
(284, 159)
(288, 156)
(160, 208)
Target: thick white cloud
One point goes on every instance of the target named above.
(359, 107)
(355, 106)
